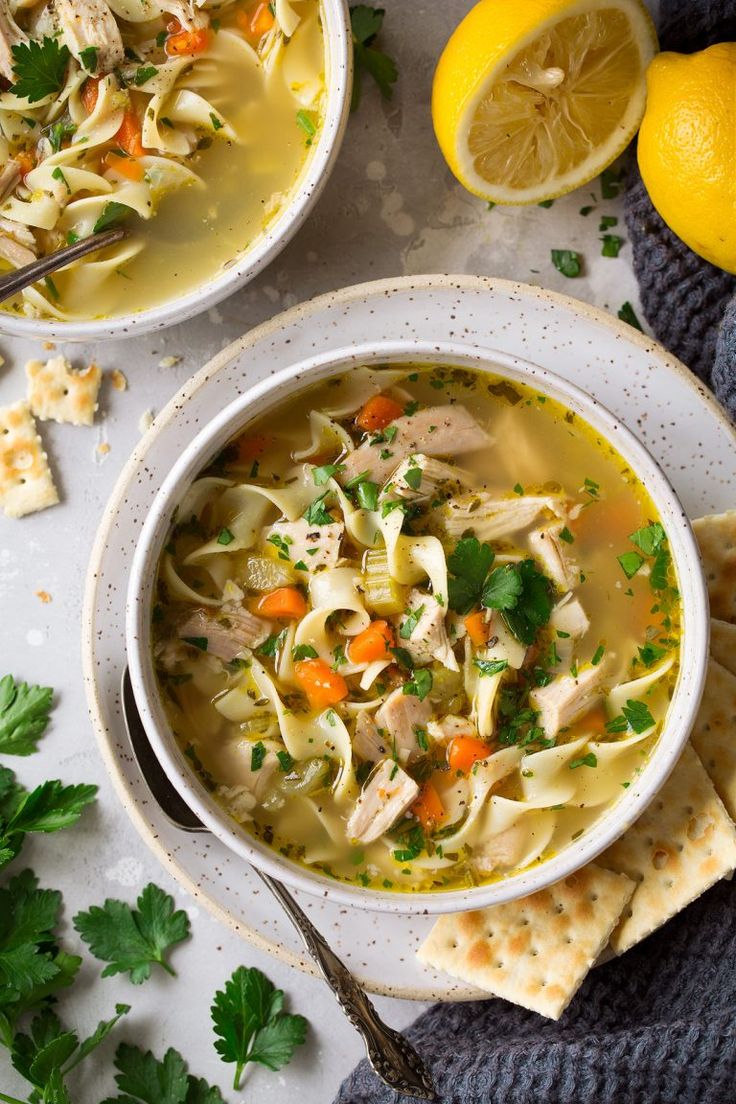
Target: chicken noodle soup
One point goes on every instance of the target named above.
(189, 121)
(417, 628)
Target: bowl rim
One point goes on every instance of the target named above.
(277, 235)
(269, 393)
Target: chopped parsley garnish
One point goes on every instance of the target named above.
(225, 536)
(591, 487)
(413, 843)
(567, 261)
(628, 314)
(52, 288)
(547, 203)
(366, 22)
(503, 588)
(145, 73)
(411, 408)
(403, 658)
(39, 68)
(611, 245)
(566, 536)
(651, 654)
(518, 489)
(649, 538)
(338, 655)
(585, 211)
(634, 715)
(412, 620)
(303, 651)
(660, 570)
(630, 563)
(88, 58)
(317, 514)
(598, 654)
(112, 214)
(200, 642)
(413, 478)
(469, 564)
(588, 760)
(285, 761)
(282, 544)
(422, 738)
(533, 605)
(607, 221)
(300, 566)
(58, 174)
(306, 122)
(611, 183)
(490, 666)
(272, 644)
(217, 124)
(420, 684)
(59, 133)
(257, 755)
(324, 473)
(367, 495)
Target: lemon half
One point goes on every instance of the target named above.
(532, 98)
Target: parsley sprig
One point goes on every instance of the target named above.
(251, 1025)
(39, 68)
(24, 715)
(146, 1080)
(366, 22)
(133, 940)
(49, 808)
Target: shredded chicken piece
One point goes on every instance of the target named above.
(9, 177)
(90, 23)
(550, 550)
(399, 717)
(491, 518)
(501, 851)
(567, 698)
(367, 740)
(451, 726)
(10, 35)
(227, 632)
(419, 478)
(317, 546)
(387, 795)
(428, 639)
(15, 253)
(436, 431)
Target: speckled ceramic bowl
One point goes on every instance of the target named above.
(339, 82)
(263, 398)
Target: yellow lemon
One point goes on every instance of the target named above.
(533, 98)
(687, 148)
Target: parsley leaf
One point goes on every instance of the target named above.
(503, 588)
(144, 74)
(628, 314)
(257, 755)
(132, 940)
(588, 760)
(651, 653)
(24, 715)
(316, 513)
(630, 563)
(420, 684)
(367, 495)
(635, 715)
(611, 245)
(303, 651)
(49, 808)
(324, 473)
(567, 261)
(408, 626)
(251, 1025)
(88, 58)
(112, 214)
(469, 564)
(39, 68)
(490, 666)
(366, 22)
(145, 1080)
(660, 570)
(649, 538)
(534, 604)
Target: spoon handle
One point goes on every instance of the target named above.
(28, 274)
(392, 1057)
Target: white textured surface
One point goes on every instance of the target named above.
(390, 208)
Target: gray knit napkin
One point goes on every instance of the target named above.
(657, 1026)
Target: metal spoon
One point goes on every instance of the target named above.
(29, 274)
(389, 1053)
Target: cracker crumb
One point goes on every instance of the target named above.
(43, 596)
(145, 421)
(169, 361)
(49, 344)
(103, 448)
(118, 380)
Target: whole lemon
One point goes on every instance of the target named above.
(687, 148)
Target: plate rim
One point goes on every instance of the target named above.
(364, 290)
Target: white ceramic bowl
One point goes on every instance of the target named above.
(263, 398)
(339, 82)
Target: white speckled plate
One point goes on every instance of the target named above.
(648, 389)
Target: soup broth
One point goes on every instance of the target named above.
(195, 142)
(417, 627)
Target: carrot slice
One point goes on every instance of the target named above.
(181, 42)
(477, 628)
(372, 643)
(26, 160)
(285, 602)
(256, 22)
(320, 683)
(377, 413)
(428, 807)
(129, 136)
(464, 751)
(90, 92)
(126, 166)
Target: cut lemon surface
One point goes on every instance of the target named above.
(532, 98)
